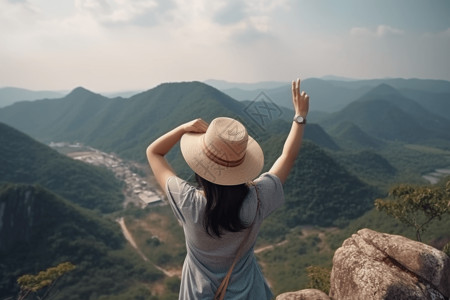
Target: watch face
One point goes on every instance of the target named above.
(299, 119)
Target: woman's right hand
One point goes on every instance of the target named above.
(299, 99)
(197, 126)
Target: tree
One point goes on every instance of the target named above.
(417, 206)
(34, 283)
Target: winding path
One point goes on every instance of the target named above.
(132, 242)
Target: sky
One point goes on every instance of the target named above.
(120, 45)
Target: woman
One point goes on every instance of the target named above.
(223, 216)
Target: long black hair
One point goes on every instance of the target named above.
(223, 204)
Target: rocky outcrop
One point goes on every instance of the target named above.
(17, 215)
(372, 265)
(376, 266)
(308, 294)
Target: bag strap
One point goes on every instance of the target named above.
(221, 291)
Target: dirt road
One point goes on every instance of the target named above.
(132, 242)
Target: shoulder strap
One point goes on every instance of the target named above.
(220, 293)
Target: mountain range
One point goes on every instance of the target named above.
(333, 95)
(386, 114)
(127, 126)
(347, 160)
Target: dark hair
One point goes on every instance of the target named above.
(223, 204)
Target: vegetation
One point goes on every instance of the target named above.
(417, 206)
(45, 279)
(446, 249)
(285, 265)
(159, 236)
(319, 191)
(319, 278)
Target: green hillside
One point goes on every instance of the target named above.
(369, 166)
(38, 230)
(318, 191)
(47, 118)
(351, 136)
(25, 160)
(437, 103)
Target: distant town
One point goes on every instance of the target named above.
(137, 190)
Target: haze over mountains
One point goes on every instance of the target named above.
(369, 135)
(330, 93)
(333, 95)
(10, 95)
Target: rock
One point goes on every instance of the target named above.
(308, 294)
(372, 265)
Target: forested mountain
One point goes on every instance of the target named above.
(319, 190)
(437, 103)
(24, 160)
(354, 137)
(38, 230)
(386, 114)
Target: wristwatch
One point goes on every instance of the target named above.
(299, 119)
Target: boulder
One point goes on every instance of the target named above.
(373, 265)
(308, 294)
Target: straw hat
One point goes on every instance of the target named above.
(225, 154)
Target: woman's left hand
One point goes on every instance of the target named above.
(197, 126)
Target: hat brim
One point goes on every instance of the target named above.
(191, 147)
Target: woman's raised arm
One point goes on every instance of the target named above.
(284, 163)
(161, 146)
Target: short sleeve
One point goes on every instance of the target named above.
(270, 191)
(185, 199)
(175, 191)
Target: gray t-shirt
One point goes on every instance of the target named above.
(208, 259)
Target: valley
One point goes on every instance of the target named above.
(137, 191)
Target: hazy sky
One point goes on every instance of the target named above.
(113, 45)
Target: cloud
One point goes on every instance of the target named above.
(248, 21)
(379, 32)
(114, 44)
(230, 12)
(123, 12)
(384, 30)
